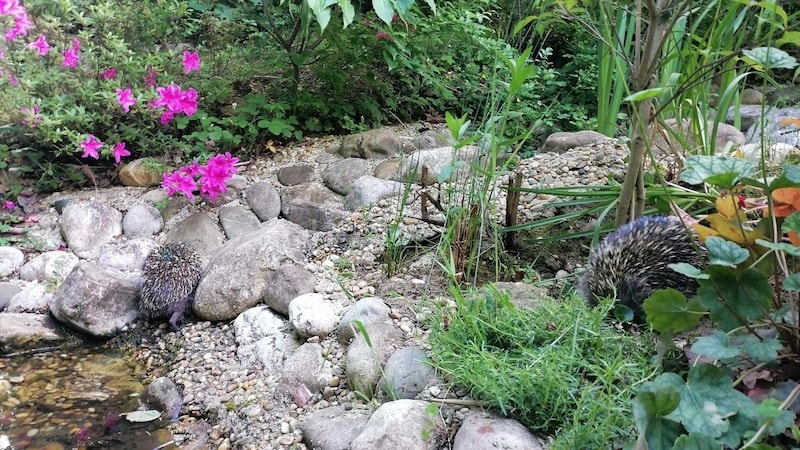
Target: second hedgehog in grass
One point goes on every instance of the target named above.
(633, 261)
(171, 272)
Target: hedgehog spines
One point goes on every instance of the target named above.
(171, 273)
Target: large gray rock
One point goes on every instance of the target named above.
(748, 115)
(672, 139)
(237, 220)
(364, 361)
(88, 225)
(484, 431)
(334, 428)
(163, 395)
(25, 331)
(368, 311)
(142, 221)
(264, 200)
(372, 144)
(53, 265)
(406, 373)
(562, 141)
(126, 256)
(305, 370)
(367, 190)
(7, 292)
(33, 299)
(401, 425)
(312, 206)
(312, 315)
(263, 336)
(11, 260)
(338, 176)
(295, 174)
(286, 283)
(200, 232)
(235, 278)
(96, 300)
(434, 161)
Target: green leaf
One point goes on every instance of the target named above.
(717, 345)
(791, 171)
(668, 311)
(789, 37)
(708, 400)
(143, 416)
(779, 246)
(432, 5)
(791, 223)
(645, 94)
(734, 297)
(778, 420)
(688, 270)
(403, 6)
(722, 252)
(660, 398)
(723, 171)
(696, 441)
(760, 350)
(384, 10)
(322, 12)
(654, 401)
(768, 58)
(792, 282)
(348, 12)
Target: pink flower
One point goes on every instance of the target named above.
(21, 25)
(10, 7)
(125, 99)
(383, 35)
(217, 171)
(119, 151)
(72, 55)
(175, 101)
(90, 147)
(40, 45)
(178, 182)
(32, 116)
(12, 79)
(191, 170)
(8, 205)
(151, 78)
(108, 74)
(191, 61)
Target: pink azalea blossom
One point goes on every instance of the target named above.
(9, 7)
(90, 147)
(32, 116)
(178, 182)
(8, 205)
(72, 55)
(119, 151)
(40, 45)
(217, 171)
(12, 79)
(191, 170)
(108, 74)
(21, 21)
(125, 99)
(191, 61)
(175, 101)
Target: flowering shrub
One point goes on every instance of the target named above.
(92, 96)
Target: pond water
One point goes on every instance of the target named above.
(74, 399)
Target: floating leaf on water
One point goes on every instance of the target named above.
(143, 416)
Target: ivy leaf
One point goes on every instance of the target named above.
(708, 399)
(760, 350)
(654, 401)
(688, 270)
(779, 246)
(717, 345)
(791, 223)
(777, 419)
(792, 282)
(734, 297)
(723, 171)
(768, 58)
(696, 441)
(723, 252)
(668, 311)
(661, 396)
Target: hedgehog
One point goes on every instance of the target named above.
(171, 272)
(632, 262)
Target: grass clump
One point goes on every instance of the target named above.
(560, 369)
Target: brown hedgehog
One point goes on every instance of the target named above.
(633, 261)
(170, 275)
